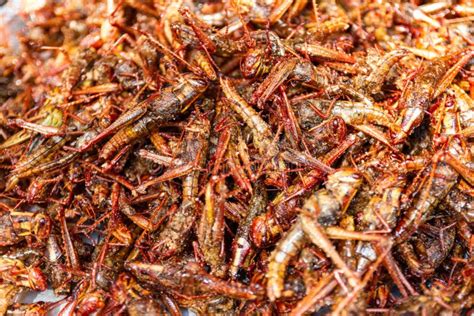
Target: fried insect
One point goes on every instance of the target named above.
(439, 177)
(326, 205)
(434, 78)
(18, 225)
(14, 271)
(268, 226)
(237, 157)
(169, 240)
(171, 102)
(262, 134)
(242, 248)
(188, 278)
(211, 230)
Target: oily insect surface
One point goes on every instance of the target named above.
(238, 157)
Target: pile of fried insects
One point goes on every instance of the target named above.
(238, 157)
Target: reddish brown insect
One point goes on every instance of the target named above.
(237, 157)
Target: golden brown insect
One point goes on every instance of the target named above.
(237, 157)
(320, 30)
(327, 205)
(17, 225)
(242, 246)
(73, 73)
(263, 137)
(322, 53)
(7, 294)
(435, 76)
(14, 271)
(372, 83)
(211, 227)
